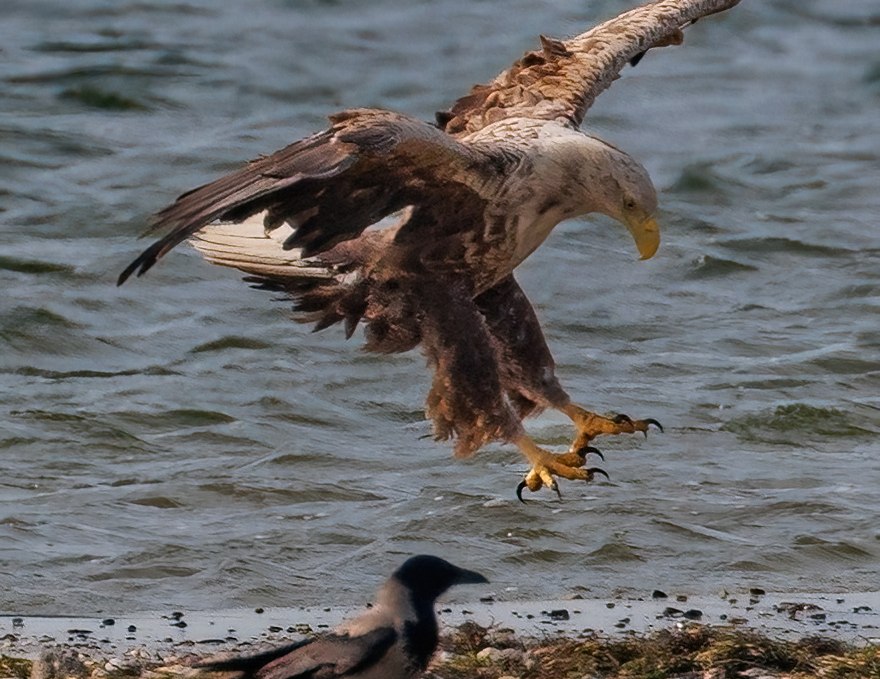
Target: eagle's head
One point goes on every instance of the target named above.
(612, 182)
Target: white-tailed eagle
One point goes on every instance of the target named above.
(473, 194)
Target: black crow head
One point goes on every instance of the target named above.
(427, 577)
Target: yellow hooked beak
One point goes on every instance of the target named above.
(646, 234)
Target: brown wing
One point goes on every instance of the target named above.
(333, 185)
(561, 81)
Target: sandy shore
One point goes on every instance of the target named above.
(484, 639)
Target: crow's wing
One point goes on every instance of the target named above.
(334, 656)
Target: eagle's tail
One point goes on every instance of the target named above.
(247, 247)
(326, 288)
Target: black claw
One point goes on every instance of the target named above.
(519, 490)
(597, 470)
(659, 426)
(621, 418)
(555, 487)
(586, 450)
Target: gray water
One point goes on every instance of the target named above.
(179, 442)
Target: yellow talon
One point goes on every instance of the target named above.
(546, 466)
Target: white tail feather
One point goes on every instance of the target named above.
(246, 246)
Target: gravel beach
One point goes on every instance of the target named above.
(743, 634)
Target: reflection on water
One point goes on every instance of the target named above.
(180, 442)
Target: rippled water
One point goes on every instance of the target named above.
(180, 442)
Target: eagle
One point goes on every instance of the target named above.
(413, 230)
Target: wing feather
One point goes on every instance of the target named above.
(334, 655)
(561, 81)
(330, 186)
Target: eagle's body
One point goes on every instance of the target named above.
(472, 196)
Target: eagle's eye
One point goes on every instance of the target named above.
(629, 203)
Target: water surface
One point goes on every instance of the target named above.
(179, 442)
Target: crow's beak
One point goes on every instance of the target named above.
(466, 577)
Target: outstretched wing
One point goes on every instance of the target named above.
(332, 185)
(561, 81)
(323, 658)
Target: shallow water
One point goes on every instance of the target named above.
(179, 442)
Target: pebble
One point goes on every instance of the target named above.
(501, 637)
(494, 655)
(757, 673)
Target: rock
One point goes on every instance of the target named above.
(501, 638)
(59, 663)
(758, 673)
(500, 655)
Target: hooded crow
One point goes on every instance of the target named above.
(395, 639)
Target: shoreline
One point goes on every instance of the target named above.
(142, 643)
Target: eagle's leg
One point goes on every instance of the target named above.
(528, 375)
(590, 425)
(470, 398)
(467, 400)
